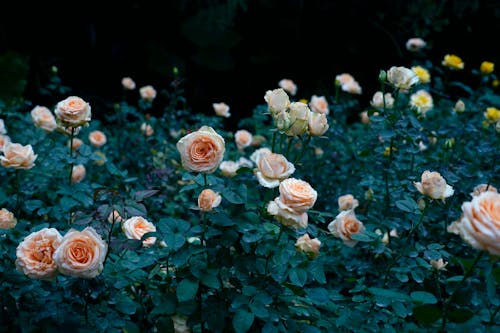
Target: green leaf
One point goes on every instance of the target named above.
(407, 205)
(242, 320)
(221, 219)
(318, 295)
(131, 328)
(361, 237)
(31, 205)
(460, 315)
(427, 314)
(298, 276)
(389, 294)
(186, 290)
(126, 305)
(235, 194)
(423, 297)
(141, 195)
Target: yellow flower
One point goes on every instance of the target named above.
(303, 100)
(487, 67)
(387, 151)
(452, 61)
(492, 114)
(495, 83)
(422, 73)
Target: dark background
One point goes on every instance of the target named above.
(231, 51)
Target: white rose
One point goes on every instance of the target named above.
(402, 77)
(277, 100)
(434, 186)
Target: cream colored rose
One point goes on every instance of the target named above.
(299, 119)
(272, 168)
(146, 129)
(277, 100)
(136, 227)
(415, 44)
(17, 156)
(77, 143)
(319, 104)
(35, 254)
(243, 139)
(421, 101)
(286, 216)
(459, 106)
(257, 154)
(43, 118)
(3, 130)
(244, 162)
(479, 224)
(81, 253)
(352, 87)
(115, 217)
(343, 79)
(282, 121)
(434, 186)
(378, 100)
(208, 200)
(347, 202)
(345, 225)
(148, 93)
(318, 124)
(289, 86)
(483, 188)
(3, 140)
(402, 77)
(180, 324)
(78, 173)
(439, 264)
(201, 151)
(221, 109)
(7, 219)
(97, 138)
(308, 245)
(128, 83)
(297, 194)
(229, 168)
(73, 112)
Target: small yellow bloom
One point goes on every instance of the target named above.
(422, 73)
(452, 61)
(387, 151)
(492, 114)
(303, 100)
(487, 67)
(495, 83)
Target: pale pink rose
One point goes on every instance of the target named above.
(277, 100)
(308, 245)
(347, 202)
(345, 225)
(289, 86)
(128, 83)
(243, 139)
(319, 104)
(284, 215)
(402, 77)
(229, 168)
(415, 44)
(352, 87)
(297, 194)
(483, 188)
(439, 264)
(35, 254)
(434, 186)
(201, 151)
(97, 138)
(257, 154)
(148, 93)
(81, 253)
(43, 118)
(17, 156)
(78, 173)
(3, 140)
(3, 130)
(146, 129)
(73, 111)
(318, 124)
(365, 118)
(136, 227)
(221, 109)
(272, 168)
(479, 224)
(208, 200)
(7, 219)
(115, 217)
(77, 143)
(343, 79)
(378, 100)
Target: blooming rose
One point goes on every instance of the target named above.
(7, 219)
(308, 245)
(146, 129)
(272, 168)
(3, 130)
(453, 62)
(17, 156)
(422, 101)
(148, 93)
(352, 87)
(434, 185)
(297, 194)
(243, 138)
(78, 173)
(402, 77)
(479, 224)
(43, 118)
(244, 162)
(415, 44)
(257, 153)
(229, 168)
(35, 254)
(128, 83)
(289, 86)
(221, 109)
(318, 124)
(483, 188)
(114, 217)
(208, 200)
(343, 79)
(347, 202)
(459, 106)
(299, 118)
(365, 118)
(286, 216)
(277, 100)
(97, 138)
(180, 324)
(378, 100)
(136, 227)
(319, 104)
(487, 67)
(3, 140)
(81, 253)
(422, 73)
(345, 225)
(201, 151)
(73, 112)
(492, 114)
(77, 143)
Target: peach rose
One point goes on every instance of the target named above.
(148, 93)
(17, 156)
(286, 216)
(257, 154)
(319, 104)
(243, 139)
(97, 138)
(77, 143)
(297, 194)
(78, 173)
(402, 77)
(347, 202)
(318, 124)
(73, 112)
(298, 121)
(221, 109)
(229, 168)
(343, 79)
(81, 253)
(289, 86)
(3, 140)
(364, 117)
(479, 224)
(35, 254)
(7, 219)
(434, 185)
(3, 130)
(272, 168)
(201, 151)
(128, 83)
(146, 129)
(277, 100)
(483, 188)
(352, 87)
(244, 162)
(208, 200)
(415, 44)
(136, 227)
(345, 225)
(43, 118)
(378, 100)
(308, 245)
(114, 217)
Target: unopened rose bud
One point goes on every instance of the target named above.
(382, 76)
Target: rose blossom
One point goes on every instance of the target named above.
(43, 118)
(344, 78)
(308, 245)
(378, 100)
(3, 140)
(272, 168)
(128, 83)
(35, 254)
(421, 101)
(201, 151)
(81, 253)
(434, 185)
(352, 87)
(146, 129)
(487, 67)
(319, 104)
(423, 74)
(17, 156)
(114, 217)
(345, 225)
(286, 216)
(483, 188)
(148, 93)
(78, 173)
(208, 200)
(77, 143)
(439, 264)
(221, 109)
(299, 119)
(7, 219)
(243, 139)
(402, 77)
(73, 112)
(136, 227)
(229, 168)
(453, 62)
(257, 153)
(297, 194)
(479, 224)
(317, 124)
(289, 86)
(347, 202)
(97, 138)
(180, 324)
(415, 44)
(277, 100)
(459, 106)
